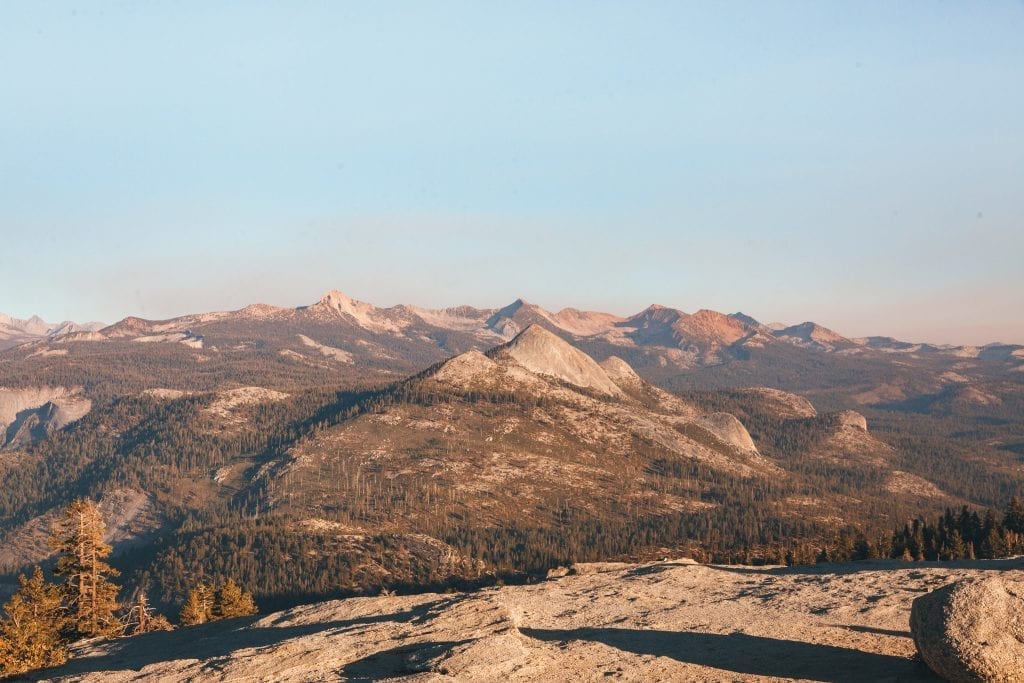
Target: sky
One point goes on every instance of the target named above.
(856, 164)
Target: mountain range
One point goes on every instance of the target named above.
(360, 447)
(704, 337)
(351, 339)
(530, 438)
(14, 331)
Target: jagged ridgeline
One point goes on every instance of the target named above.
(489, 464)
(341, 340)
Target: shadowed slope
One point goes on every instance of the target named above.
(745, 654)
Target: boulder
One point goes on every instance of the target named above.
(557, 572)
(972, 630)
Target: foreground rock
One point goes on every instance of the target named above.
(972, 630)
(665, 621)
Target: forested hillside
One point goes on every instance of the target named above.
(474, 470)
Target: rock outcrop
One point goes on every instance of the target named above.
(812, 334)
(544, 353)
(850, 418)
(130, 515)
(621, 373)
(600, 622)
(468, 368)
(729, 429)
(786, 405)
(972, 630)
(29, 413)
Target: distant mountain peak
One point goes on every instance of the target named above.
(127, 327)
(812, 332)
(514, 318)
(14, 332)
(708, 316)
(659, 313)
(717, 327)
(337, 299)
(749, 320)
(514, 307)
(364, 315)
(260, 310)
(36, 325)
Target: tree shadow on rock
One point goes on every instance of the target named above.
(647, 570)
(845, 568)
(878, 631)
(399, 661)
(750, 655)
(212, 641)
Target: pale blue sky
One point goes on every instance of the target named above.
(858, 164)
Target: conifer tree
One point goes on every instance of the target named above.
(198, 607)
(915, 543)
(862, 549)
(90, 597)
(993, 545)
(956, 548)
(30, 636)
(231, 601)
(1013, 518)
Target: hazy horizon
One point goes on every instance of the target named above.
(858, 166)
(553, 307)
